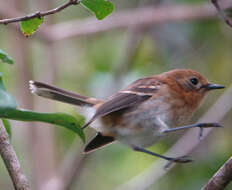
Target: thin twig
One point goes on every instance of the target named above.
(40, 14)
(221, 178)
(11, 162)
(221, 13)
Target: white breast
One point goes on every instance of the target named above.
(146, 127)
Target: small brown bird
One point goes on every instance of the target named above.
(144, 112)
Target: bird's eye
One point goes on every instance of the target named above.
(194, 81)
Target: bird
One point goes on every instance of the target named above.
(144, 112)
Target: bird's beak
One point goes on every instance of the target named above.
(211, 86)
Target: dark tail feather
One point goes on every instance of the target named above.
(51, 92)
(97, 142)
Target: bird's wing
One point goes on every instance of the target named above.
(135, 94)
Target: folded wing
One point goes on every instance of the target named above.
(135, 94)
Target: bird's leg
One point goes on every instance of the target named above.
(181, 159)
(200, 125)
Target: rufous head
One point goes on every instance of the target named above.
(188, 85)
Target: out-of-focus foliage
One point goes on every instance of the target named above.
(6, 99)
(5, 58)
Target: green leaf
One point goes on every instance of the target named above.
(8, 111)
(5, 58)
(28, 27)
(7, 126)
(60, 119)
(101, 8)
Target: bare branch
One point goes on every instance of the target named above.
(11, 161)
(221, 178)
(40, 14)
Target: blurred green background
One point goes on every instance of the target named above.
(98, 65)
